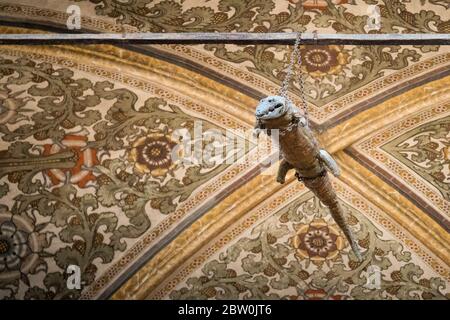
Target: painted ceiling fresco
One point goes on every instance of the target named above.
(86, 178)
(341, 80)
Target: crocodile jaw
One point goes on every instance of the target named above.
(272, 107)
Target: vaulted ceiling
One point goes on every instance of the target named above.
(76, 187)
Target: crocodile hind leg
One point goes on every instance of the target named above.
(322, 188)
(283, 170)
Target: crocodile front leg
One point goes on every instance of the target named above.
(283, 170)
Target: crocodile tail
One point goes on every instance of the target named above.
(337, 214)
(322, 188)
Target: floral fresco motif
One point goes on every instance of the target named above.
(271, 263)
(317, 4)
(81, 173)
(82, 162)
(426, 151)
(20, 246)
(318, 294)
(86, 178)
(414, 151)
(320, 61)
(11, 104)
(363, 64)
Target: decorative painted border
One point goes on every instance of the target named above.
(341, 108)
(72, 58)
(199, 234)
(368, 152)
(390, 200)
(255, 86)
(278, 201)
(399, 107)
(434, 240)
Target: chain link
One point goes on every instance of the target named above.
(296, 53)
(301, 82)
(285, 85)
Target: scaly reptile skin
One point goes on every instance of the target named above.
(300, 151)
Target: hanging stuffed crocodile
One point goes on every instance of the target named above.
(300, 152)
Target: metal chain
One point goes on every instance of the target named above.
(301, 82)
(285, 85)
(296, 53)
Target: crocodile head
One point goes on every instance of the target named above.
(272, 107)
